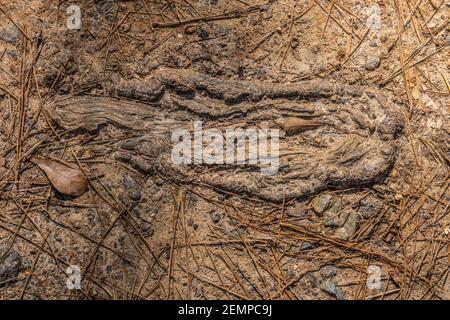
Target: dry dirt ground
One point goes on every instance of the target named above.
(364, 194)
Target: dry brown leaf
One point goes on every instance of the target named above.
(65, 179)
(293, 126)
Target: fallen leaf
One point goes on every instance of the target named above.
(293, 126)
(65, 179)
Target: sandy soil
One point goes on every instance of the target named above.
(142, 234)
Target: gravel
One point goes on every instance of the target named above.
(329, 286)
(216, 217)
(372, 62)
(350, 226)
(9, 265)
(131, 187)
(328, 271)
(321, 203)
(10, 35)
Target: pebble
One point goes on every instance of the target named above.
(370, 206)
(50, 78)
(146, 231)
(297, 210)
(71, 67)
(294, 44)
(332, 218)
(129, 144)
(190, 29)
(104, 7)
(64, 88)
(372, 62)
(135, 195)
(122, 156)
(311, 280)
(9, 265)
(350, 226)
(306, 245)
(328, 271)
(13, 54)
(10, 35)
(202, 33)
(321, 203)
(329, 286)
(132, 187)
(222, 196)
(269, 13)
(216, 217)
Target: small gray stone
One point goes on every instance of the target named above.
(64, 88)
(373, 43)
(311, 280)
(135, 195)
(328, 271)
(50, 78)
(350, 226)
(129, 144)
(297, 210)
(122, 156)
(306, 245)
(333, 217)
(321, 203)
(132, 187)
(13, 54)
(329, 286)
(370, 206)
(142, 165)
(372, 62)
(9, 266)
(129, 182)
(10, 35)
(146, 230)
(222, 196)
(216, 217)
(269, 13)
(202, 33)
(342, 234)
